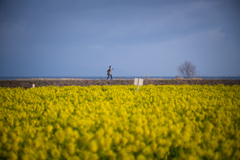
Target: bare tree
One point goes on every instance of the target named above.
(187, 69)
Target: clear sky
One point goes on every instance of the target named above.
(135, 37)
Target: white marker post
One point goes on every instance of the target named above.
(138, 82)
(33, 85)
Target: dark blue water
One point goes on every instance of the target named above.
(120, 77)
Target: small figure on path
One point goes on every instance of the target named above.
(109, 72)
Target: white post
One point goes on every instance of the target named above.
(138, 82)
(33, 85)
(138, 86)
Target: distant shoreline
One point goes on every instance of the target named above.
(115, 77)
(27, 83)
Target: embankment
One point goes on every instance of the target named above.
(27, 83)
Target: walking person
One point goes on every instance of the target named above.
(109, 72)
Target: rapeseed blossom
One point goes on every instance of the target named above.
(116, 122)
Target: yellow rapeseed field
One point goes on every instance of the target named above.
(117, 122)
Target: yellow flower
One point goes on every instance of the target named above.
(116, 122)
(209, 154)
(154, 146)
(99, 133)
(142, 145)
(131, 138)
(117, 139)
(141, 157)
(138, 131)
(93, 146)
(109, 131)
(124, 141)
(15, 147)
(111, 154)
(161, 152)
(4, 138)
(93, 156)
(68, 131)
(55, 153)
(71, 148)
(41, 155)
(108, 143)
(60, 136)
(65, 154)
(147, 150)
(75, 135)
(13, 156)
(49, 128)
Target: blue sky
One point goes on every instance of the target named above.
(136, 37)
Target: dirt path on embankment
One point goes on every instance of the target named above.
(27, 83)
